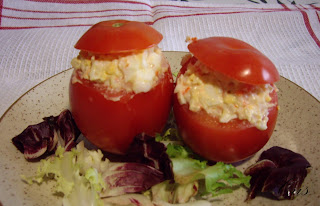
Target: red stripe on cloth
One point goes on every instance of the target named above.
(125, 15)
(315, 7)
(161, 9)
(305, 8)
(214, 7)
(202, 14)
(88, 1)
(39, 27)
(285, 7)
(73, 12)
(141, 10)
(318, 17)
(57, 26)
(78, 17)
(130, 2)
(149, 23)
(309, 28)
(1, 6)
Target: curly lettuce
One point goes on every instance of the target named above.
(188, 167)
(80, 184)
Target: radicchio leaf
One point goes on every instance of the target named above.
(41, 139)
(37, 140)
(279, 171)
(68, 130)
(123, 178)
(128, 199)
(146, 150)
(145, 164)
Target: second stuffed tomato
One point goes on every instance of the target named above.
(225, 102)
(121, 85)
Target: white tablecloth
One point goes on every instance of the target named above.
(37, 36)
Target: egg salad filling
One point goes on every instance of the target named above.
(137, 72)
(222, 97)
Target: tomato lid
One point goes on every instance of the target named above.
(118, 36)
(235, 59)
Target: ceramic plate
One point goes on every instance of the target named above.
(298, 129)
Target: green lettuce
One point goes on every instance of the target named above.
(188, 167)
(174, 193)
(76, 174)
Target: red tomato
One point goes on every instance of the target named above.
(112, 125)
(237, 139)
(226, 142)
(235, 59)
(118, 36)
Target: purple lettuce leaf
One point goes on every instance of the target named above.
(128, 199)
(37, 139)
(68, 130)
(145, 164)
(124, 178)
(40, 140)
(146, 150)
(278, 171)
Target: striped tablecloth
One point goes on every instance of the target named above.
(37, 36)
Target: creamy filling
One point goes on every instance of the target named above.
(137, 72)
(222, 97)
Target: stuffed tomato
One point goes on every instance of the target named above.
(121, 85)
(225, 100)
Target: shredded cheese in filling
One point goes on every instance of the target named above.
(137, 72)
(223, 97)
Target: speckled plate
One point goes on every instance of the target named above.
(298, 129)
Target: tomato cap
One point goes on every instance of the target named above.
(235, 59)
(118, 36)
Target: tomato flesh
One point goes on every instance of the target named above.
(112, 125)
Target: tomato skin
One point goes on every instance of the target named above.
(118, 36)
(235, 59)
(226, 142)
(112, 125)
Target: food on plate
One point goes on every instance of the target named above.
(279, 171)
(121, 85)
(84, 176)
(182, 168)
(156, 173)
(189, 169)
(42, 139)
(145, 150)
(225, 100)
(158, 170)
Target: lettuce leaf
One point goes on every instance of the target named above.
(81, 184)
(174, 193)
(84, 176)
(41, 140)
(219, 178)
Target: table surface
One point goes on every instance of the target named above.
(37, 36)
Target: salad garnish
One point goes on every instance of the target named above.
(77, 174)
(278, 171)
(155, 169)
(42, 139)
(219, 178)
(158, 170)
